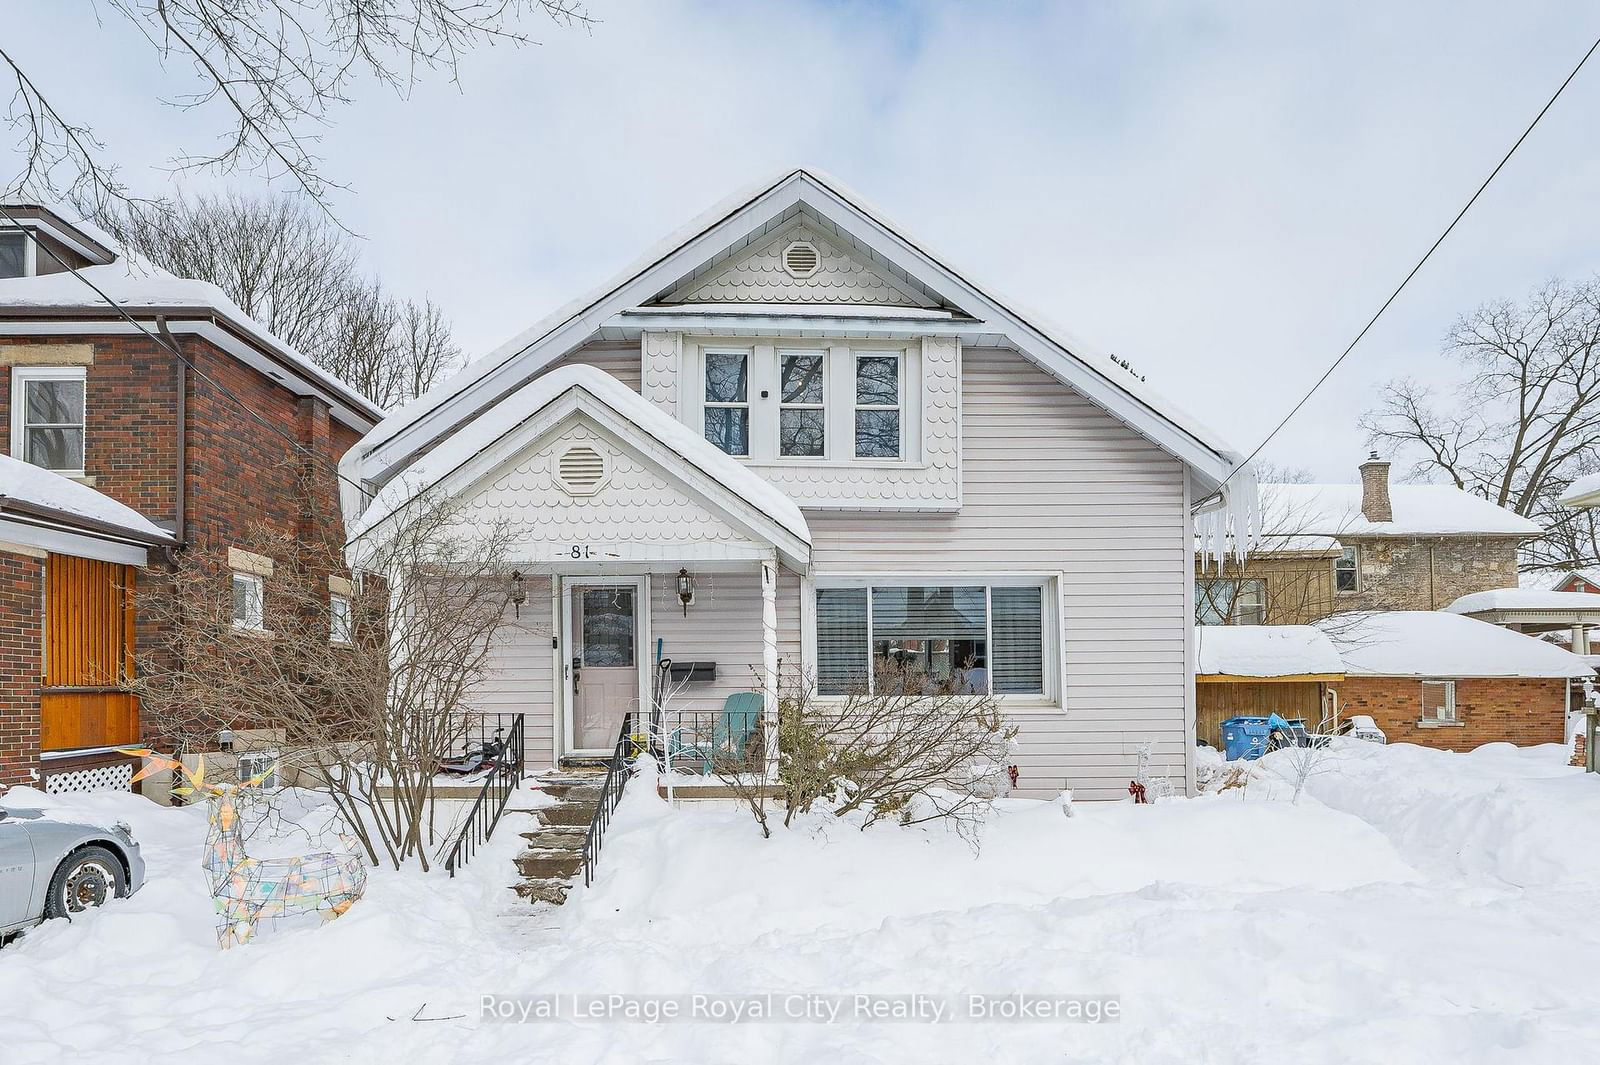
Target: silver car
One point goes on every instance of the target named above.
(54, 868)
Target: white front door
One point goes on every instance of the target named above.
(603, 667)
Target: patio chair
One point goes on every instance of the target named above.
(730, 735)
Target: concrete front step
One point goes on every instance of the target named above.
(573, 814)
(557, 838)
(549, 865)
(538, 889)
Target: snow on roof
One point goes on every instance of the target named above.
(807, 310)
(1419, 510)
(1582, 492)
(1265, 651)
(137, 285)
(1097, 362)
(1428, 643)
(29, 484)
(1524, 599)
(500, 419)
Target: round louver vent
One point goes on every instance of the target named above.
(581, 470)
(801, 259)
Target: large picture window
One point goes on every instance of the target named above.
(967, 638)
(47, 417)
(728, 400)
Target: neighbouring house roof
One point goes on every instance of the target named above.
(1530, 606)
(504, 430)
(1586, 576)
(1426, 643)
(1334, 510)
(44, 510)
(1584, 492)
(1266, 651)
(50, 304)
(731, 226)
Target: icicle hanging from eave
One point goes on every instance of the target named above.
(1234, 525)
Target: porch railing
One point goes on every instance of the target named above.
(505, 773)
(610, 794)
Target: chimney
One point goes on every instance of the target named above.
(1375, 489)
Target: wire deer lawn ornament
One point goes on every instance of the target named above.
(246, 890)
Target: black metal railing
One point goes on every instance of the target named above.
(505, 760)
(617, 772)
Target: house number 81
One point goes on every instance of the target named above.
(582, 551)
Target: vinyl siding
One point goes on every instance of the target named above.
(723, 626)
(617, 359)
(1054, 485)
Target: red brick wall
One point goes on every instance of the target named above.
(242, 476)
(21, 666)
(1490, 709)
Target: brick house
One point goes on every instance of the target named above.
(1334, 548)
(1443, 680)
(242, 434)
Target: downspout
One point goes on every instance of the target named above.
(180, 530)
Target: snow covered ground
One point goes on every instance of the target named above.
(1414, 906)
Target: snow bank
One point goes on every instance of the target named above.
(1516, 814)
(1265, 650)
(1428, 643)
(27, 483)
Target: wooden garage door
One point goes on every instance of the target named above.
(88, 655)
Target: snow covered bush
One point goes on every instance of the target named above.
(911, 748)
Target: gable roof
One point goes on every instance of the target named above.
(727, 229)
(511, 425)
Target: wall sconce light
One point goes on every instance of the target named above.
(225, 740)
(685, 590)
(519, 594)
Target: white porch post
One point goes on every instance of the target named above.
(769, 659)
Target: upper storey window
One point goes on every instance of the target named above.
(13, 254)
(728, 400)
(878, 423)
(802, 415)
(47, 417)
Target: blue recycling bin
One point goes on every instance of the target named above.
(1244, 737)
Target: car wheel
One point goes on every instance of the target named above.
(87, 878)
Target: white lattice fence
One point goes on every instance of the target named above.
(115, 777)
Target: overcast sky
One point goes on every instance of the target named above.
(1220, 193)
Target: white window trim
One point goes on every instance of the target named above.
(1452, 717)
(819, 353)
(856, 355)
(747, 406)
(839, 445)
(30, 249)
(245, 625)
(349, 627)
(20, 376)
(1050, 629)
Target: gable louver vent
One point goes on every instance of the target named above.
(581, 470)
(801, 259)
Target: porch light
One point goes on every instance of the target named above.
(685, 590)
(519, 594)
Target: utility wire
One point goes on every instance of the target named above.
(177, 354)
(1414, 270)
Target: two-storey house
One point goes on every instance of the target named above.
(240, 434)
(791, 440)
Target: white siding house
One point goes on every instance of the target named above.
(853, 451)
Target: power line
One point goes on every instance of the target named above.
(176, 353)
(1414, 270)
